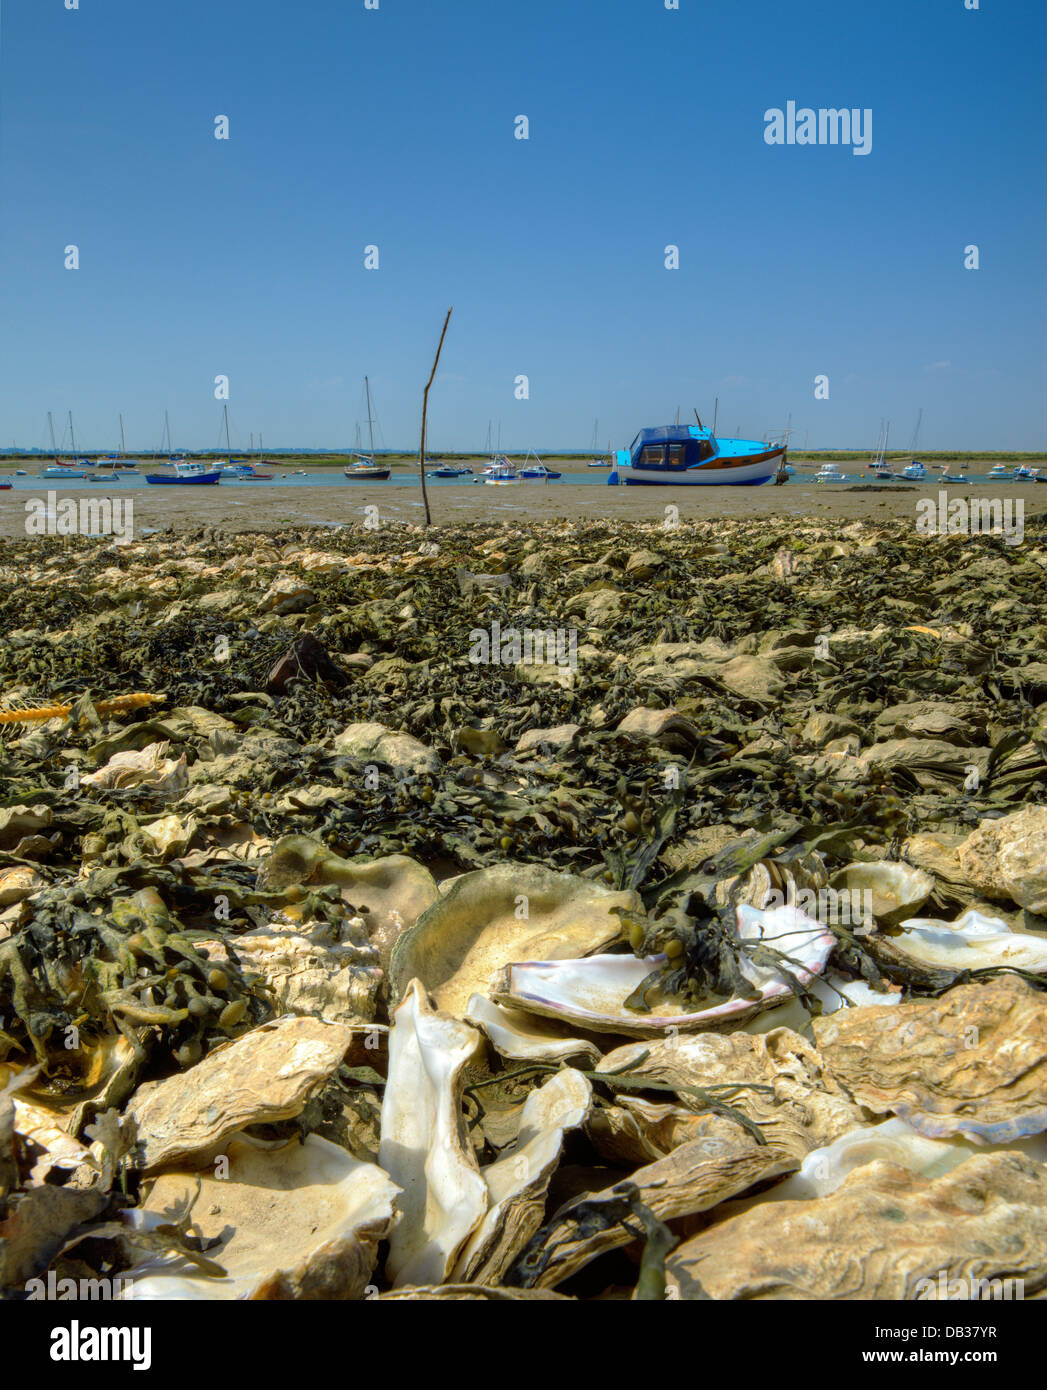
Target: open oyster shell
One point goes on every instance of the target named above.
(896, 890)
(424, 1148)
(493, 916)
(299, 1222)
(591, 993)
(525, 1037)
(972, 942)
(518, 1180)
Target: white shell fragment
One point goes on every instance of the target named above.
(424, 1148)
(592, 993)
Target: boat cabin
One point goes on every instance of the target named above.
(673, 447)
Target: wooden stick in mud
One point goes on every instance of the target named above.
(425, 408)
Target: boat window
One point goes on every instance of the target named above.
(676, 455)
(653, 456)
(705, 450)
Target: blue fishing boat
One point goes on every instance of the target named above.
(538, 470)
(186, 473)
(689, 455)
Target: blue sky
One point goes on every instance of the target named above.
(395, 127)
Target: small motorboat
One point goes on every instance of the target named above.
(829, 473)
(1000, 470)
(692, 455)
(599, 463)
(503, 473)
(185, 472)
(948, 477)
(914, 472)
(1024, 474)
(4, 486)
(103, 477)
(447, 470)
(62, 470)
(537, 470)
(21, 473)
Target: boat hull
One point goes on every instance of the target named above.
(721, 473)
(196, 480)
(374, 475)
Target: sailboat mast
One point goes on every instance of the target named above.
(167, 432)
(123, 446)
(228, 446)
(370, 418)
(72, 436)
(51, 426)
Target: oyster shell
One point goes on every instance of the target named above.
(518, 1180)
(592, 993)
(299, 1222)
(885, 1233)
(721, 1163)
(782, 1083)
(493, 916)
(424, 1148)
(524, 1037)
(972, 942)
(263, 1076)
(896, 889)
(972, 1062)
(403, 753)
(390, 892)
(1007, 858)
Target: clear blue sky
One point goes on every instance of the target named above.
(350, 127)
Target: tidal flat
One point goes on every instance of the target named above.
(545, 908)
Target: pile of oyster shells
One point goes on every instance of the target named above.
(356, 968)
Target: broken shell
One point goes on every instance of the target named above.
(266, 1075)
(424, 1148)
(591, 993)
(666, 727)
(895, 890)
(518, 1180)
(524, 1037)
(986, 1219)
(146, 767)
(973, 1061)
(299, 1222)
(19, 882)
(493, 916)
